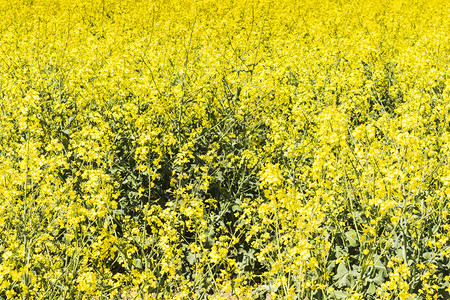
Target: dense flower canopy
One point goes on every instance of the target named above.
(224, 149)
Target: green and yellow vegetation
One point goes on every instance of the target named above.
(203, 149)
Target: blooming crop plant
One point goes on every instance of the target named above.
(224, 149)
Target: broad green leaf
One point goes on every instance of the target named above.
(352, 238)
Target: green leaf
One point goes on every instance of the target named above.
(341, 270)
(341, 275)
(340, 294)
(219, 176)
(191, 258)
(428, 255)
(138, 263)
(236, 207)
(352, 238)
(372, 289)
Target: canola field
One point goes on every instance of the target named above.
(234, 149)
